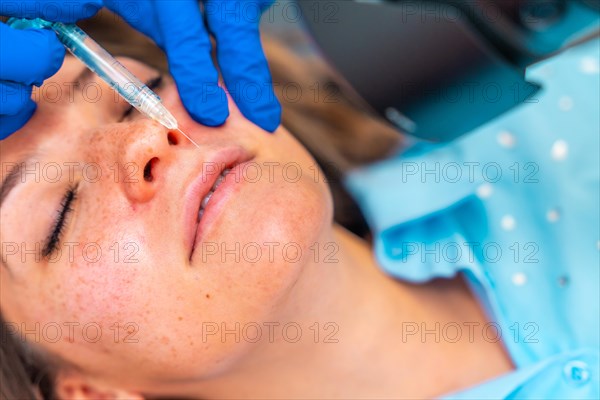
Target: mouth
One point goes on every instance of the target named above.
(204, 200)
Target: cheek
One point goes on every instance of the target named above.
(262, 242)
(102, 266)
(269, 231)
(101, 289)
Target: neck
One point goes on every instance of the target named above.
(341, 334)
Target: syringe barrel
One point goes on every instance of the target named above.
(102, 63)
(105, 66)
(114, 73)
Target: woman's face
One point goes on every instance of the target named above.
(127, 285)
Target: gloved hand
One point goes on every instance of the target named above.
(28, 57)
(178, 28)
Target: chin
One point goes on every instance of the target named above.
(266, 213)
(260, 244)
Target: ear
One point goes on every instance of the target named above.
(74, 386)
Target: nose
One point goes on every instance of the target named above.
(148, 149)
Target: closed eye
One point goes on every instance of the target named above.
(53, 239)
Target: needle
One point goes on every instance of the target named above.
(189, 138)
(108, 68)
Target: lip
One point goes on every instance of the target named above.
(205, 177)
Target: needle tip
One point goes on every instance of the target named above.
(189, 138)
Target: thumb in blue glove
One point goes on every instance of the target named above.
(177, 26)
(28, 57)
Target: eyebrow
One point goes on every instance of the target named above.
(12, 178)
(11, 181)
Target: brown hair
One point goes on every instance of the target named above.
(338, 133)
(24, 374)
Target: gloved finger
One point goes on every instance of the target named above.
(16, 107)
(51, 10)
(29, 56)
(140, 14)
(188, 49)
(243, 63)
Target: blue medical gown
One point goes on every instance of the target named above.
(515, 206)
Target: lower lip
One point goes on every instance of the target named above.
(230, 186)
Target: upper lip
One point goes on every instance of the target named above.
(204, 178)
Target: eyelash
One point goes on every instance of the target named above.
(65, 209)
(152, 84)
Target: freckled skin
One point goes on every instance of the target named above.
(143, 285)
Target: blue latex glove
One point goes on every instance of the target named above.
(28, 57)
(177, 26)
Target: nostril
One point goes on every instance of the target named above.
(148, 169)
(172, 139)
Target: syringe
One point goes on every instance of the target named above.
(107, 67)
